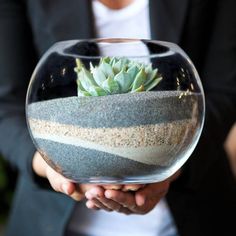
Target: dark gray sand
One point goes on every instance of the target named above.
(121, 110)
(77, 163)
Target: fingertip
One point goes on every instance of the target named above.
(140, 200)
(71, 188)
(113, 187)
(88, 195)
(95, 192)
(90, 205)
(64, 188)
(132, 187)
(68, 188)
(112, 194)
(108, 194)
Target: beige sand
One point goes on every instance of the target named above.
(149, 144)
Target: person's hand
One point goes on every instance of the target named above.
(230, 148)
(140, 201)
(59, 183)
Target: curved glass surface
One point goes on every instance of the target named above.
(115, 110)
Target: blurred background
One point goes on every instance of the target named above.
(7, 184)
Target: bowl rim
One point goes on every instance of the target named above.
(172, 47)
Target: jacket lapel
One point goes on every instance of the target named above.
(69, 19)
(167, 18)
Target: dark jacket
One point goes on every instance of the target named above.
(203, 199)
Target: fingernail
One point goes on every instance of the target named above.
(65, 188)
(142, 202)
(108, 194)
(94, 192)
(133, 189)
(115, 187)
(130, 189)
(89, 205)
(88, 195)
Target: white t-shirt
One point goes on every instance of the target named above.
(129, 22)
(157, 222)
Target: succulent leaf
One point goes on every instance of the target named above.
(124, 63)
(124, 80)
(117, 67)
(107, 60)
(91, 67)
(111, 86)
(113, 61)
(79, 64)
(80, 87)
(97, 91)
(139, 80)
(106, 69)
(132, 71)
(87, 80)
(151, 76)
(82, 93)
(98, 76)
(139, 89)
(152, 84)
(148, 68)
(115, 75)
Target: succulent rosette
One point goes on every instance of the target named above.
(115, 76)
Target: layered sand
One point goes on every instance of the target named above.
(142, 143)
(134, 133)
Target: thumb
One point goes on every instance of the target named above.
(58, 182)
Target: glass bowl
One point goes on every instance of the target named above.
(115, 110)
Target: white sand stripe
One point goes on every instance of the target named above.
(155, 155)
(149, 144)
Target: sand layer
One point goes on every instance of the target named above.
(122, 110)
(79, 163)
(114, 136)
(135, 136)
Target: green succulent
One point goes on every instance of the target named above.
(115, 76)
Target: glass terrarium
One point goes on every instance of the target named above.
(115, 110)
